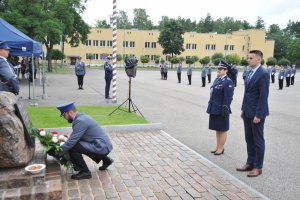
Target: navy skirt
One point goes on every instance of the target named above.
(218, 123)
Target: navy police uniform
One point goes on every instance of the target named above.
(219, 103)
(8, 79)
(108, 76)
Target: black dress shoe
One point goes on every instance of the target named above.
(106, 162)
(82, 175)
(213, 151)
(217, 154)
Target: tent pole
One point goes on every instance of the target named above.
(45, 96)
(33, 81)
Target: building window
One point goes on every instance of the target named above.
(95, 43)
(231, 47)
(207, 47)
(243, 48)
(213, 47)
(88, 43)
(194, 46)
(132, 44)
(187, 57)
(153, 57)
(102, 43)
(131, 55)
(125, 43)
(226, 47)
(188, 46)
(153, 45)
(96, 56)
(147, 44)
(109, 43)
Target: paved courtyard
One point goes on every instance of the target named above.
(153, 165)
(181, 110)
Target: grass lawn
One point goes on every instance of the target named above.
(48, 117)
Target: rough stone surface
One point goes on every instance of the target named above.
(14, 151)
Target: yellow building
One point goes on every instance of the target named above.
(144, 42)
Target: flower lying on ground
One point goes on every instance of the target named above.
(52, 142)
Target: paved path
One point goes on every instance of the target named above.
(181, 109)
(153, 165)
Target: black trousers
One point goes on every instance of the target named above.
(77, 158)
(80, 80)
(292, 80)
(203, 81)
(280, 81)
(288, 81)
(107, 87)
(190, 79)
(179, 77)
(165, 75)
(209, 78)
(273, 78)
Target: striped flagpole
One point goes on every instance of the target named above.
(114, 26)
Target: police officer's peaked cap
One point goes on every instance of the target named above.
(3, 45)
(65, 107)
(224, 65)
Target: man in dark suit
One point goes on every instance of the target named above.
(254, 111)
(108, 76)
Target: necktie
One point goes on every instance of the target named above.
(249, 76)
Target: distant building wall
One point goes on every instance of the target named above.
(144, 42)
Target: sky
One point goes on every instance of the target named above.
(272, 11)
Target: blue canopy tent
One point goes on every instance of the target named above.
(20, 44)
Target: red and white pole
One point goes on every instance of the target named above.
(114, 54)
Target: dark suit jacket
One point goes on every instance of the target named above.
(255, 102)
(8, 80)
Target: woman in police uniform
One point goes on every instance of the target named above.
(221, 93)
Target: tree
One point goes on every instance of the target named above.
(282, 40)
(217, 58)
(49, 21)
(171, 38)
(271, 61)
(140, 19)
(208, 24)
(57, 55)
(174, 60)
(260, 23)
(90, 57)
(283, 61)
(182, 59)
(119, 57)
(233, 59)
(157, 60)
(123, 21)
(189, 60)
(205, 60)
(293, 28)
(217, 55)
(101, 24)
(293, 51)
(144, 59)
(244, 62)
